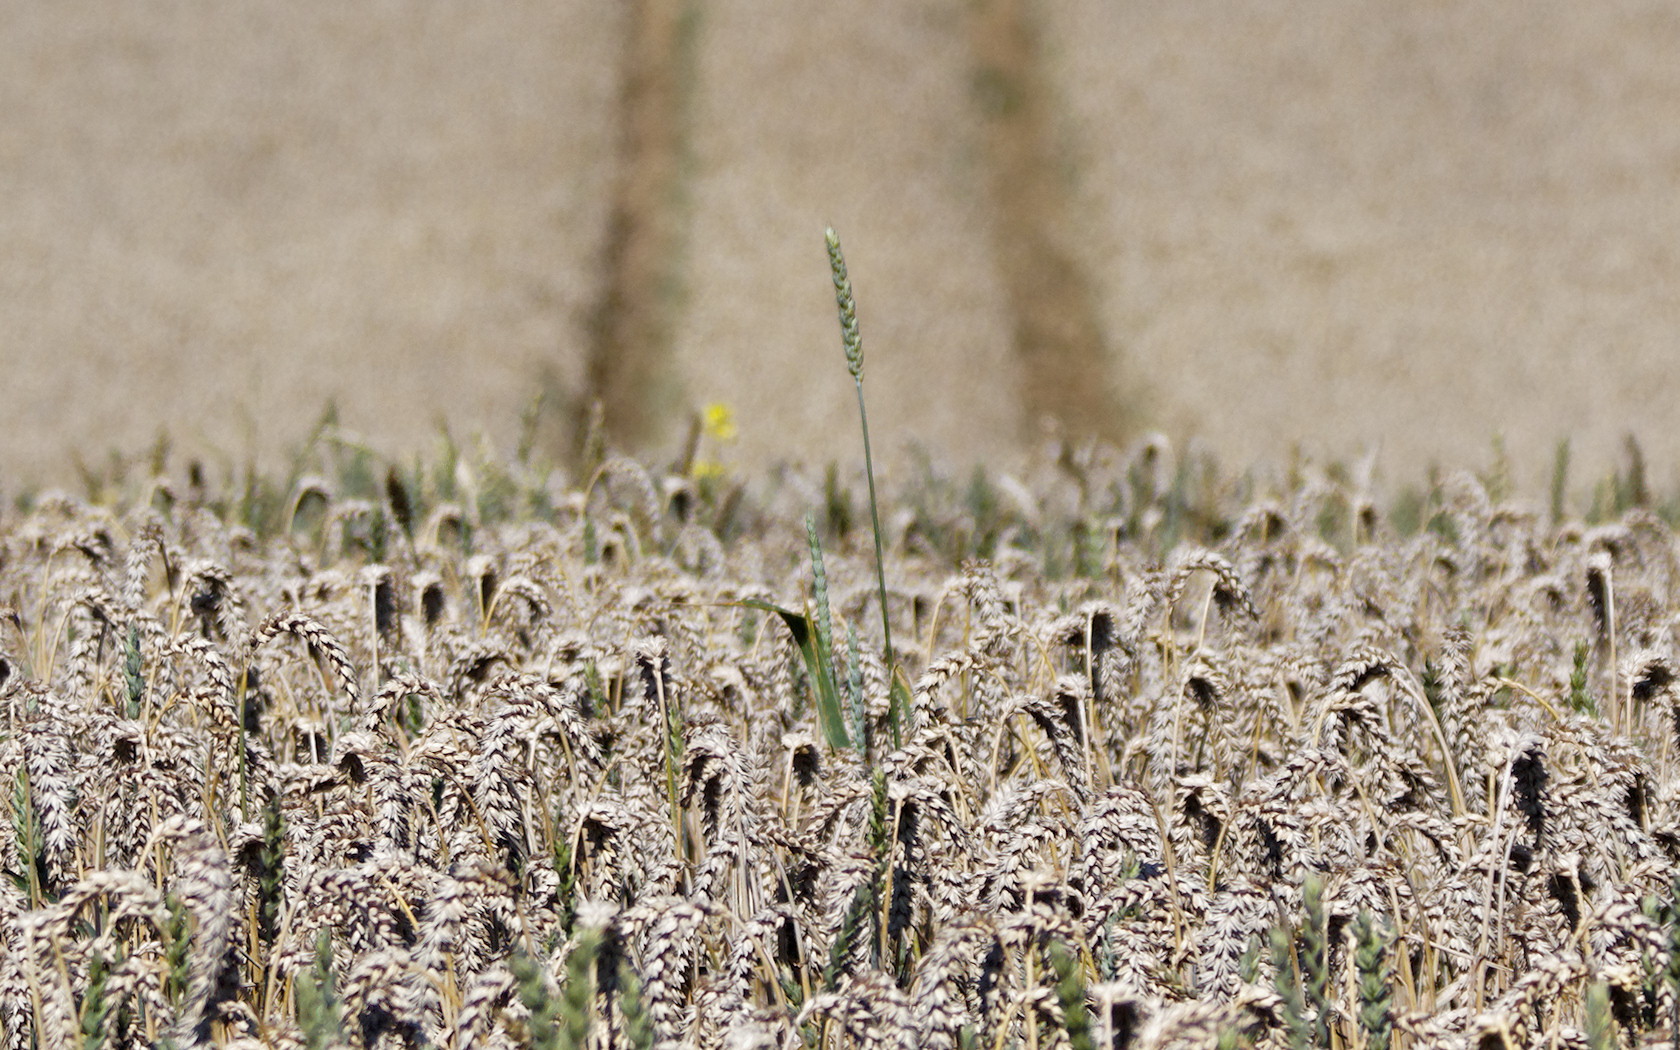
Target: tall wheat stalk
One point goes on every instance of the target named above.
(852, 341)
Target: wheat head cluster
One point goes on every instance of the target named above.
(1183, 761)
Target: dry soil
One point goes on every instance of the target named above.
(1320, 224)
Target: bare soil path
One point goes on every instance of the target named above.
(1329, 225)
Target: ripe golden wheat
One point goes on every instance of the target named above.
(1234, 766)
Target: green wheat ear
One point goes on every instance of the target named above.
(848, 311)
(853, 341)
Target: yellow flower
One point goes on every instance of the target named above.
(707, 471)
(719, 422)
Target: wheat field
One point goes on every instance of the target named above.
(462, 754)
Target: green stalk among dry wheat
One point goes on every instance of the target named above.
(467, 756)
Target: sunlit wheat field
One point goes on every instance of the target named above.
(464, 753)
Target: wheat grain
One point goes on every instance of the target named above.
(1141, 770)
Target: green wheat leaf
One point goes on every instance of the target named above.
(818, 664)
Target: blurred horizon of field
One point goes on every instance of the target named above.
(1326, 226)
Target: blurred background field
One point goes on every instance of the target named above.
(1327, 225)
